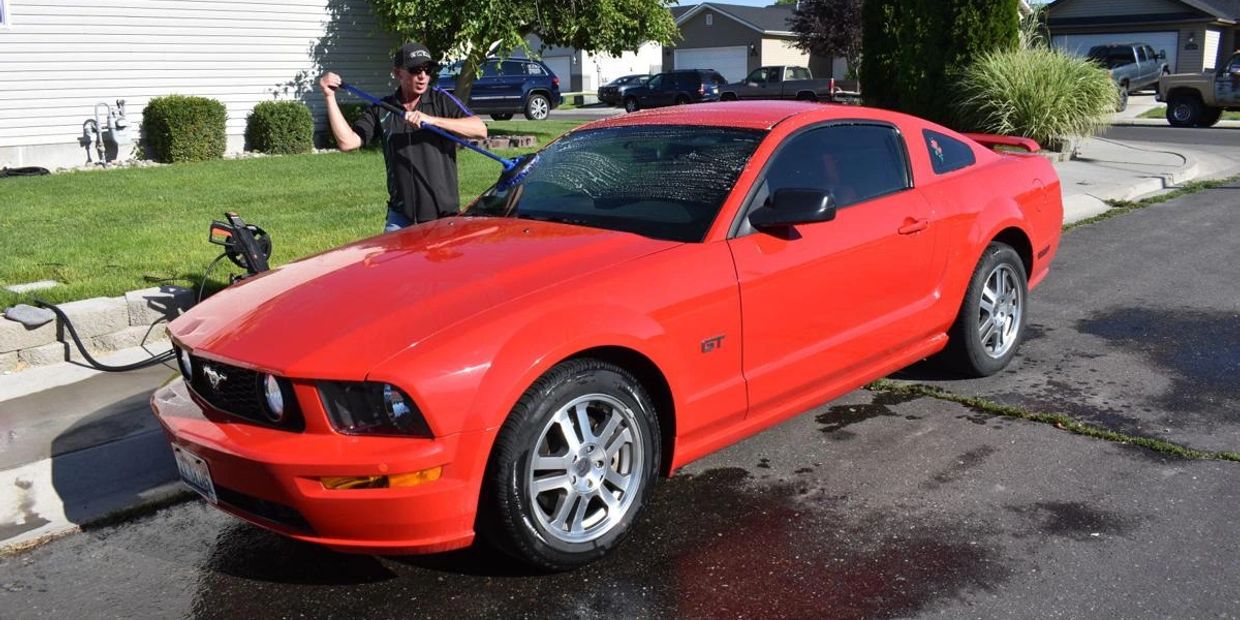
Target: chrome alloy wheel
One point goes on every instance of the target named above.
(1001, 306)
(539, 108)
(585, 470)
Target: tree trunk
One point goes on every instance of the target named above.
(469, 71)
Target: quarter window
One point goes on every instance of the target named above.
(947, 153)
(852, 162)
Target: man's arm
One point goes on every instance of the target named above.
(346, 138)
(465, 127)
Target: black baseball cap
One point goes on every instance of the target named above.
(411, 55)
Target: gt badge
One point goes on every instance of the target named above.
(710, 344)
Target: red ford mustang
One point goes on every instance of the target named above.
(658, 286)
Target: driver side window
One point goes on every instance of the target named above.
(758, 75)
(656, 82)
(853, 163)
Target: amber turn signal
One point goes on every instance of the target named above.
(410, 479)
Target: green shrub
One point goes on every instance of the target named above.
(1042, 94)
(178, 128)
(280, 127)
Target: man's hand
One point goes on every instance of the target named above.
(416, 118)
(329, 83)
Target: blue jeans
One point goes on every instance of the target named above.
(396, 221)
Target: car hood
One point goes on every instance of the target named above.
(337, 314)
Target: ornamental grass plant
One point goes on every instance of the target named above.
(1037, 93)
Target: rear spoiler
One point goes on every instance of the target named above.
(991, 141)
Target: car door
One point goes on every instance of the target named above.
(1227, 84)
(645, 95)
(773, 88)
(752, 86)
(821, 301)
(487, 94)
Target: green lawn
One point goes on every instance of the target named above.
(107, 232)
(1161, 112)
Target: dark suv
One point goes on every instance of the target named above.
(675, 88)
(505, 87)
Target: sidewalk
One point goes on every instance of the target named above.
(77, 444)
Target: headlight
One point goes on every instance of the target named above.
(275, 398)
(367, 408)
(186, 363)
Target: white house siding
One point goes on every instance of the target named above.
(59, 57)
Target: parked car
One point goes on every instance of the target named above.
(506, 87)
(788, 82)
(1133, 66)
(1199, 99)
(675, 88)
(658, 286)
(612, 93)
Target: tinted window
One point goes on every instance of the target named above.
(776, 75)
(489, 69)
(716, 78)
(758, 75)
(947, 153)
(1111, 57)
(851, 162)
(656, 82)
(660, 181)
(512, 67)
(1141, 54)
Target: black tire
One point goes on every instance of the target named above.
(682, 100)
(506, 116)
(1123, 98)
(630, 104)
(515, 520)
(537, 107)
(811, 97)
(728, 97)
(967, 351)
(1183, 111)
(1210, 117)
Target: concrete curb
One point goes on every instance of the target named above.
(1084, 205)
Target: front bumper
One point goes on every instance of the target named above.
(271, 478)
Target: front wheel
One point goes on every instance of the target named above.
(1183, 111)
(537, 107)
(573, 465)
(992, 317)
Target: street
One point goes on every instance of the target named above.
(1209, 139)
(878, 505)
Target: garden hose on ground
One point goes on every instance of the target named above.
(166, 356)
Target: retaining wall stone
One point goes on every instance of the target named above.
(15, 336)
(96, 316)
(132, 337)
(159, 303)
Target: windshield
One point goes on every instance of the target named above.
(660, 181)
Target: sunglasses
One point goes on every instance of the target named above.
(429, 69)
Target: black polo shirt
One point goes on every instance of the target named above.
(421, 164)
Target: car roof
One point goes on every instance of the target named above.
(741, 114)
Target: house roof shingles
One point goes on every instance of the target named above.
(764, 18)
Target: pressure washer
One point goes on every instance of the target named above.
(245, 245)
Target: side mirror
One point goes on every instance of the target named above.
(1162, 54)
(789, 207)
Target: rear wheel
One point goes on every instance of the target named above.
(537, 107)
(502, 117)
(630, 104)
(1123, 98)
(728, 97)
(681, 100)
(991, 322)
(1183, 111)
(573, 466)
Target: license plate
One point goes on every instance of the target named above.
(194, 472)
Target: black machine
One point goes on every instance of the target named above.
(246, 245)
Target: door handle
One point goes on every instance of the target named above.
(911, 226)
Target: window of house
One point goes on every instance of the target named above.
(710, 19)
(853, 163)
(946, 153)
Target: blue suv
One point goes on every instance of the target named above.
(506, 87)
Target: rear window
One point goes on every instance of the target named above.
(1112, 57)
(660, 181)
(798, 73)
(947, 153)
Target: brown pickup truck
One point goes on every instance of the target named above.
(1199, 99)
(789, 82)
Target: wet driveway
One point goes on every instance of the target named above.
(879, 505)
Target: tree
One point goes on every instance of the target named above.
(912, 51)
(469, 30)
(829, 28)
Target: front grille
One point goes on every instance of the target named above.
(266, 510)
(239, 391)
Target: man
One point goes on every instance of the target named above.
(421, 165)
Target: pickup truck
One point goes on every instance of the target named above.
(1133, 66)
(1199, 99)
(788, 82)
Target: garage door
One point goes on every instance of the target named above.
(731, 62)
(1079, 44)
(561, 66)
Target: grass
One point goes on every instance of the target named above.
(1161, 112)
(101, 233)
(1058, 420)
(1120, 207)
